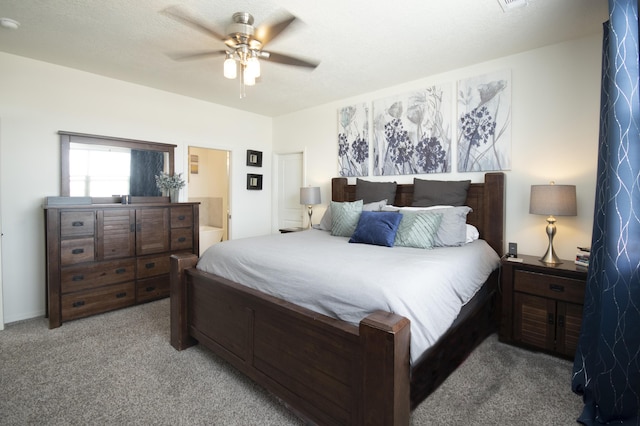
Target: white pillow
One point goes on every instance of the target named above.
(472, 233)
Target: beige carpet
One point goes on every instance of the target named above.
(118, 368)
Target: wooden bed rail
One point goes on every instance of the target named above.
(326, 370)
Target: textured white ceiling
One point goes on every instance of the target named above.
(362, 45)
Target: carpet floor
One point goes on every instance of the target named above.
(118, 368)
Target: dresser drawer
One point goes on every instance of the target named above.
(553, 287)
(74, 224)
(152, 288)
(181, 217)
(153, 265)
(77, 250)
(75, 278)
(181, 239)
(103, 299)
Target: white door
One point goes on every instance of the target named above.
(290, 180)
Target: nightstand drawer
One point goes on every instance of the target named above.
(553, 287)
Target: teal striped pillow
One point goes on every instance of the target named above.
(418, 229)
(344, 217)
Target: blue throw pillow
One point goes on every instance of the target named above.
(377, 228)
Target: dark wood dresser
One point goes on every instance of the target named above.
(542, 305)
(102, 257)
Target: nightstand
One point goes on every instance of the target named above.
(287, 230)
(542, 305)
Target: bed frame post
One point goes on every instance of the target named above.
(494, 202)
(385, 345)
(180, 338)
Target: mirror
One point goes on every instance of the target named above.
(104, 167)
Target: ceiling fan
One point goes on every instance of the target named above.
(244, 44)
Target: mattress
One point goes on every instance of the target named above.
(331, 276)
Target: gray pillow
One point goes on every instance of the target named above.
(370, 192)
(453, 226)
(427, 193)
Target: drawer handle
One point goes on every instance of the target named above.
(150, 288)
(77, 278)
(181, 217)
(182, 239)
(121, 270)
(550, 319)
(121, 295)
(150, 265)
(77, 223)
(77, 251)
(78, 304)
(557, 288)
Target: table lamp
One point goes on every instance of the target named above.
(310, 196)
(552, 200)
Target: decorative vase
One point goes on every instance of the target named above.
(174, 195)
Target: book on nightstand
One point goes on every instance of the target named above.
(582, 257)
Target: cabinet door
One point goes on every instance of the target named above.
(534, 320)
(152, 230)
(116, 233)
(568, 330)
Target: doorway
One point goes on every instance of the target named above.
(208, 173)
(289, 180)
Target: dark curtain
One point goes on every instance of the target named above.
(145, 165)
(606, 369)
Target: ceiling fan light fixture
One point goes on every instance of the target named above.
(253, 66)
(249, 77)
(230, 68)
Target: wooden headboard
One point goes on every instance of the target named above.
(486, 199)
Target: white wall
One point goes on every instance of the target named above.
(555, 130)
(555, 110)
(38, 99)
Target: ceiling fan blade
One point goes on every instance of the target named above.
(290, 60)
(180, 15)
(265, 33)
(196, 55)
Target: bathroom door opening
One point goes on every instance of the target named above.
(209, 185)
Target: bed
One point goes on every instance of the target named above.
(330, 371)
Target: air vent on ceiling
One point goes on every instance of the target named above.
(508, 5)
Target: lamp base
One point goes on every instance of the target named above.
(310, 214)
(550, 257)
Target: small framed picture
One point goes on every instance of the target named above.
(194, 165)
(254, 158)
(254, 181)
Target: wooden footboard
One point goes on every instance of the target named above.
(326, 370)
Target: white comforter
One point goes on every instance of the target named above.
(349, 281)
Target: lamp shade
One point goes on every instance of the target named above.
(553, 200)
(310, 195)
